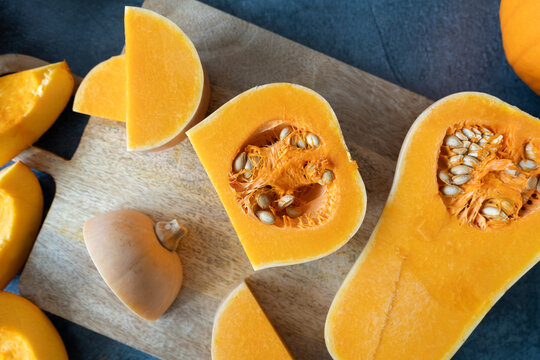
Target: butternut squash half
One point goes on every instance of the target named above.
(460, 226)
(278, 161)
(25, 332)
(21, 210)
(30, 102)
(242, 331)
(167, 88)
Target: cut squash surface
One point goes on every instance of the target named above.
(242, 330)
(21, 210)
(167, 90)
(278, 161)
(461, 225)
(30, 102)
(103, 90)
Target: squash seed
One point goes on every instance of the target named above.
(327, 177)
(455, 160)
(293, 212)
(453, 141)
(490, 211)
(451, 190)
(528, 164)
(507, 207)
(300, 144)
(460, 151)
(476, 131)
(285, 201)
(284, 133)
(460, 136)
(240, 161)
(468, 133)
(461, 179)
(497, 140)
(266, 217)
(531, 183)
(470, 161)
(538, 187)
(444, 177)
(512, 172)
(529, 152)
(482, 141)
(467, 143)
(475, 147)
(263, 201)
(312, 140)
(461, 170)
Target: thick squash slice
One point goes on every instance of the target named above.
(167, 89)
(30, 102)
(461, 225)
(103, 91)
(277, 159)
(21, 209)
(25, 332)
(242, 330)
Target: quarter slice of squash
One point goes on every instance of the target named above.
(242, 330)
(278, 161)
(30, 102)
(102, 92)
(167, 88)
(461, 225)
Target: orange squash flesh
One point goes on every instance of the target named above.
(426, 278)
(242, 330)
(25, 332)
(167, 89)
(30, 102)
(103, 90)
(223, 135)
(21, 209)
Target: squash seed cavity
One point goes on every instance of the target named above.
(282, 176)
(486, 178)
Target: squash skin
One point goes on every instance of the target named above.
(225, 131)
(102, 92)
(55, 84)
(26, 325)
(423, 283)
(21, 210)
(144, 275)
(520, 35)
(242, 331)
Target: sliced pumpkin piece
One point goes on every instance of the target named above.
(30, 102)
(283, 173)
(242, 330)
(167, 88)
(21, 210)
(461, 225)
(103, 91)
(25, 331)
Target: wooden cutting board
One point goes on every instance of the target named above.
(60, 276)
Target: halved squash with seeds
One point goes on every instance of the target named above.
(277, 158)
(461, 225)
(242, 331)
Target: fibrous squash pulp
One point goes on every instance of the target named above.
(460, 226)
(277, 158)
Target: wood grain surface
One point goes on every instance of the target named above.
(60, 276)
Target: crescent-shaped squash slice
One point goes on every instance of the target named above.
(242, 330)
(460, 226)
(21, 210)
(25, 332)
(137, 259)
(30, 102)
(167, 88)
(103, 90)
(278, 161)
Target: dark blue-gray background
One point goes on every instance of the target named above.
(432, 47)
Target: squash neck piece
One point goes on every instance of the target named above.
(169, 234)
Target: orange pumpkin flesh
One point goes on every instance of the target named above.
(520, 30)
(30, 102)
(437, 263)
(328, 213)
(242, 330)
(25, 332)
(21, 209)
(103, 90)
(167, 89)
(144, 274)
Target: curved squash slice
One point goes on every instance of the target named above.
(242, 330)
(103, 91)
(21, 209)
(167, 89)
(277, 158)
(30, 102)
(25, 332)
(460, 226)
